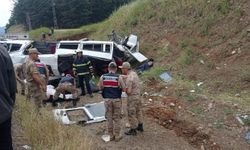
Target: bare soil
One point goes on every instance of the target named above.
(169, 124)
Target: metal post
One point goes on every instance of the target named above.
(28, 21)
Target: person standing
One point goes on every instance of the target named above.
(112, 86)
(20, 76)
(82, 68)
(134, 104)
(7, 98)
(36, 86)
(66, 84)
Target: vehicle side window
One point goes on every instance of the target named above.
(88, 47)
(98, 48)
(15, 47)
(71, 46)
(93, 47)
(107, 48)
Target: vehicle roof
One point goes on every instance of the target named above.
(17, 41)
(69, 41)
(98, 42)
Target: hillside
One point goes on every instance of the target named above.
(197, 40)
(205, 42)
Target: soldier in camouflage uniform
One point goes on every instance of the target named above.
(134, 104)
(20, 76)
(112, 86)
(67, 84)
(36, 86)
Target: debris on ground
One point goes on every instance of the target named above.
(199, 84)
(192, 91)
(243, 119)
(237, 95)
(89, 113)
(165, 77)
(26, 147)
(156, 95)
(106, 138)
(202, 62)
(247, 137)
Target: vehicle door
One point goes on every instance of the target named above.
(16, 54)
(132, 46)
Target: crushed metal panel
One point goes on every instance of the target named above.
(134, 48)
(61, 115)
(165, 77)
(92, 113)
(139, 57)
(132, 40)
(95, 112)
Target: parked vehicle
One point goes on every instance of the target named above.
(18, 50)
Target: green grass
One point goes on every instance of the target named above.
(189, 97)
(186, 57)
(133, 17)
(37, 33)
(153, 73)
(43, 132)
(197, 110)
(224, 6)
(218, 125)
(228, 111)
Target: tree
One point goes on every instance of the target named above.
(70, 13)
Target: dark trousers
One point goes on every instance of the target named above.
(82, 79)
(5, 135)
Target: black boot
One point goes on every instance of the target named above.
(131, 132)
(54, 104)
(83, 93)
(140, 127)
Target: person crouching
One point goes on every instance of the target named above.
(66, 84)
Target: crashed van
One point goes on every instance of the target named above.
(59, 57)
(100, 53)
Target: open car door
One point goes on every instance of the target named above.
(132, 46)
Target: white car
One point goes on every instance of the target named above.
(18, 50)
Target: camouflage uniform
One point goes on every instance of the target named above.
(113, 115)
(111, 93)
(65, 87)
(20, 72)
(36, 93)
(134, 103)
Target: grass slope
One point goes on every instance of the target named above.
(197, 40)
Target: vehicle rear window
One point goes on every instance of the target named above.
(71, 46)
(15, 47)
